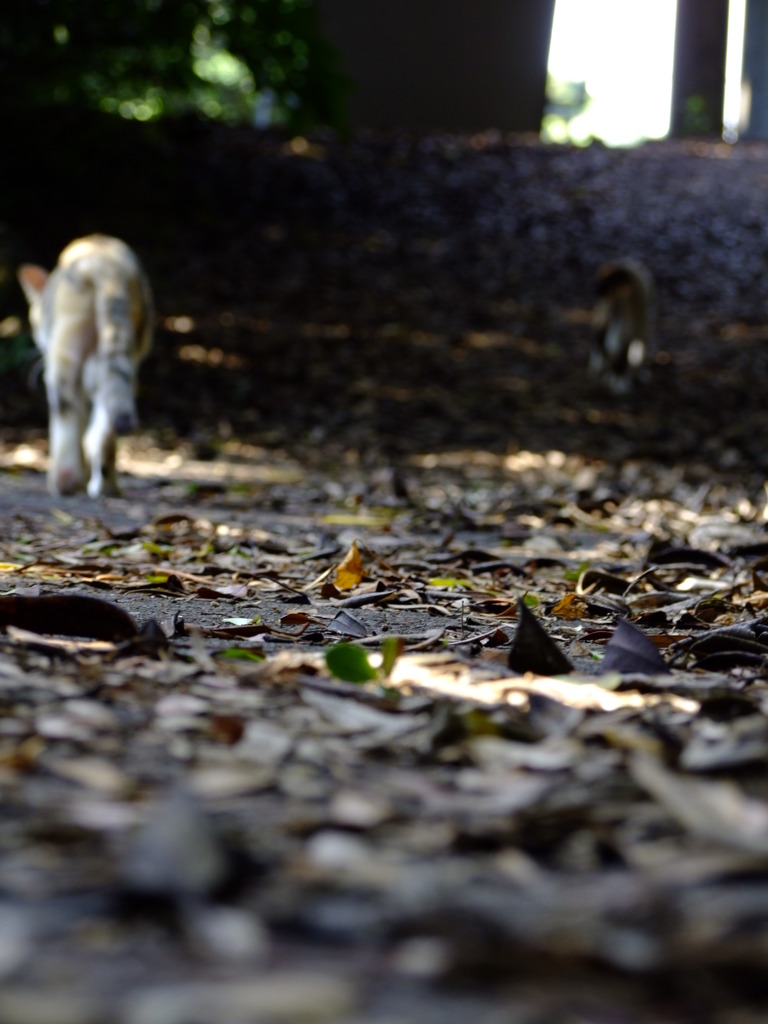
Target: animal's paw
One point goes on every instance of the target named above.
(65, 479)
(103, 485)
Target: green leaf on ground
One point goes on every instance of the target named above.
(350, 663)
(240, 654)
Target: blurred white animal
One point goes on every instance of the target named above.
(92, 320)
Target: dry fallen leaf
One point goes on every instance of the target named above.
(350, 571)
(571, 606)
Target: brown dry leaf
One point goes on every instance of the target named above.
(571, 606)
(350, 571)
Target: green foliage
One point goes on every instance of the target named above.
(697, 118)
(450, 583)
(16, 352)
(575, 574)
(391, 649)
(353, 664)
(144, 59)
(240, 654)
(350, 663)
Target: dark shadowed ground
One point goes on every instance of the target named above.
(396, 295)
(367, 420)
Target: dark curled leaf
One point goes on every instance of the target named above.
(725, 660)
(592, 580)
(754, 629)
(150, 641)
(361, 600)
(466, 557)
(630, 651)
(728, 644)
(497, 564)
(757, 550)
(674, 555)
(745, 643)
(68, 615)
(347, 625)
(599, 604)
(533, 649)
(152, 630)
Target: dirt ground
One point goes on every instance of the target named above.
(368, 434)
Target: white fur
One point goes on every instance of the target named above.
(66, 472)
(99, 444)
(92, 320)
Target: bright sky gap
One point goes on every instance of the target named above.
(623, 52)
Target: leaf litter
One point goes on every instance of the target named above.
(404, 739)
(536, 759)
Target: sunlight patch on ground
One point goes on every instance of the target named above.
(210, 357)
(486, 339)
(25, 456)
(441, 673)
(176, 466)
(246, 465)
(179, 324)
(516, 462)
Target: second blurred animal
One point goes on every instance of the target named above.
(621, 323)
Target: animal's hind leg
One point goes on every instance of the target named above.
(100, 452)
(66, 412)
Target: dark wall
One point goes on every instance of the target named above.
(455, 64)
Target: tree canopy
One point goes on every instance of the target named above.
(262, 60)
